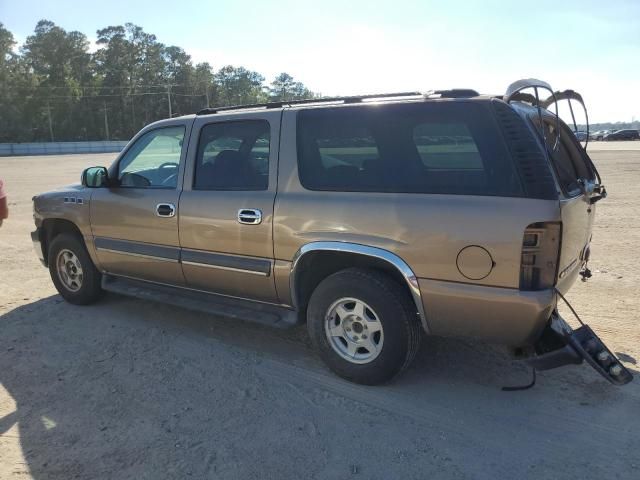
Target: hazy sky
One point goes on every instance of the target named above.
(340, 47)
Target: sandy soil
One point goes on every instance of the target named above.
(131, 389)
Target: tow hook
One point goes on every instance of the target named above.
(561, 345)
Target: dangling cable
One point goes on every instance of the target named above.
(522, 387)
(570, 307)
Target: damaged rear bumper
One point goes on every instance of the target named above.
(561, 345)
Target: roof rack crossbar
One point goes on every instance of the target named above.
(344, 99)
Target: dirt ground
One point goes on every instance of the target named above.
(131, 389)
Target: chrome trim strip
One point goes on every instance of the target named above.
(384, 255)
(141, 255)
(220, 267)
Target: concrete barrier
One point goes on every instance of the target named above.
(53, 148)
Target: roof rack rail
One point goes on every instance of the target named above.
(346, 99)
(453, 93)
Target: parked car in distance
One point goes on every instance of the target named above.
(626, 134)
(581, 136)
(598, 135)
(372, 219)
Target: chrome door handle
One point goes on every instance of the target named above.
(166, 210)
(249, 216)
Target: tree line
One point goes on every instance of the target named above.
(54, 89)
(594, 127)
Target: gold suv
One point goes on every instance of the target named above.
(374, 219)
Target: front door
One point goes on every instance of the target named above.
(135, 222)
(226, 208)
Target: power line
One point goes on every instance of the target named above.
(88, 87)
(139, 94)
(189, 94)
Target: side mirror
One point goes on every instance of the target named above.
(95, 177)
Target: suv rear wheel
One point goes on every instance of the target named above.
(73, 273)
(364, 325)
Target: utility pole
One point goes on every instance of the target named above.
(169, 98)
(106, 120)
(206, 92)
(50, 123)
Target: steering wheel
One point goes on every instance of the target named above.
(171, 177)
(167, 165)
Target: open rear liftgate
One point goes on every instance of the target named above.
(560, 344)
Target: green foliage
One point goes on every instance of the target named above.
(284, 88)
(237, 85)
(54, 88)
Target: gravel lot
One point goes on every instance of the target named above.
(131, 389)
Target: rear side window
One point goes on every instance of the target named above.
(451, 148)
(446, 146)
(233, 156)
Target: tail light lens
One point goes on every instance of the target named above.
(540, 254)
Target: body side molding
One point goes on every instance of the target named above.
(257, 266)
(138, 249)
(367, 251)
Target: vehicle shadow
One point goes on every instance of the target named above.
(127, 388)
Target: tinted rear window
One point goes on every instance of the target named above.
(233, 156)
(447, 148)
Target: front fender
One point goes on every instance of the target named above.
(69, 203)
(68, 206)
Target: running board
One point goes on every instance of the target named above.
(230, 307)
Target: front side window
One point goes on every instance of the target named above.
(405, 148)
(233, 156)
(153, 160)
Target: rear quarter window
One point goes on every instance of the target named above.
(443, 148)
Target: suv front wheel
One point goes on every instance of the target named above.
(73, 273)
(364, 325)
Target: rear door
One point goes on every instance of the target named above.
(226, 208)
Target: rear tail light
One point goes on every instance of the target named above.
(540, 252)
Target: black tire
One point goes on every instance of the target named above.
(90, 288)
(395, 310)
